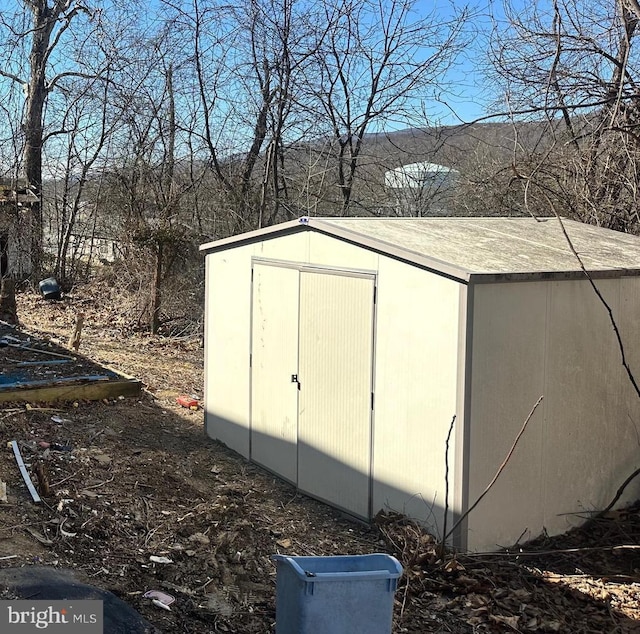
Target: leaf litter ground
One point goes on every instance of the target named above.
(136, 479)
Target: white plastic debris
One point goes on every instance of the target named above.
(160, 599)
(160, 560)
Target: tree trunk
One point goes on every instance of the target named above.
(33, 128)
(156, 298)
(8, 307)
(44, 19)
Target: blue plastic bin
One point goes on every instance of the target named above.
(346, 594)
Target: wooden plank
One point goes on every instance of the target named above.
(20, 385)
(24, 364)
(90, 391)
(39, 350)
(24, 472)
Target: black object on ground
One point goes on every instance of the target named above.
(52, 584)
(50, 288)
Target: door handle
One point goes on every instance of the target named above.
(294, 379)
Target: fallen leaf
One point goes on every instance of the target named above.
(89, 494)
(550, 626)
(511, 621)
(453, 565)
(41, 538)
(199, 538)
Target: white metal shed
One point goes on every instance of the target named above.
(338, 351)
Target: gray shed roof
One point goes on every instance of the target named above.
(481, 248)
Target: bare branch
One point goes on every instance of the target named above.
(498, 472)
(13, 77)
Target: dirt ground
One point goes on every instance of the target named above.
(135, 479)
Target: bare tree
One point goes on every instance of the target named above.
(574, 67)
(251, 100)
(376, 58)
(49, 22)
(299, 89)
(86, 127)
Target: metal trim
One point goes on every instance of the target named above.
(462, 431)
(313, 268)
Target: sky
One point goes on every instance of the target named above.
(464, 95)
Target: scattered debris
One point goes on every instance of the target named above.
(89, 494)
(160, 560)
(102, 459)
(200, 538)
(42, 474)
(160, 604)
(187, 401)
(41, 538)
(65, 533)
(23, 471)
(167, 599)
(56, 446)
(3, 492)
(160, 599)
(4, 343)
(218, 604)
(25, 364)
(171, 483)
(38, 370)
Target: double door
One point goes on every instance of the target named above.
(311, 380)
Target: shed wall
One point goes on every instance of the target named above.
(629, 425)
(550, 339)
(416, 388)
(508, 377)
(227, 346)
(228, 335)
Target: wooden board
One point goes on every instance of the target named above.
(89, 390)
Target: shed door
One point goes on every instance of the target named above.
(335, 373)
(274, 349)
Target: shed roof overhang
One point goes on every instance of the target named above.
(475, 250)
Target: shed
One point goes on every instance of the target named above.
(338, 351)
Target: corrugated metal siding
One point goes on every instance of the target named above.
(585, 404)
(274, 344)
(228, 333)
(629, 424)
(336, 352)
(508, 377)
(331, 252)
(553, 339)
(417, 325)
